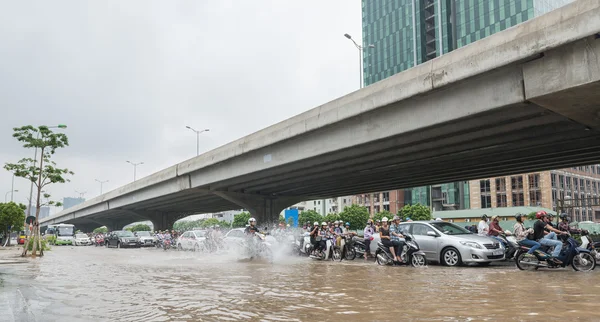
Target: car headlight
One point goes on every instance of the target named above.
(471, 244)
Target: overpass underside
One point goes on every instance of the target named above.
(423, 126)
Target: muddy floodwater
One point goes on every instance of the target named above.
(99, 284)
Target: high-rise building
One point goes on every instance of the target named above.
(44, 212)
(69, 202)
(405, 33)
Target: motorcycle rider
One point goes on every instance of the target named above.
(483, 227)
(384, 234)
(547, 239)
(313, 235)
(368, 236)
(521, 234)
(396, 234)
(494, 230)
(251, 228)
(323, 233)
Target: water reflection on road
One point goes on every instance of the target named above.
(90, 283)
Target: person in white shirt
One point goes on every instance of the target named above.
(483, 227)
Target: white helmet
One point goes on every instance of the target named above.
(316, 223)
(438, 219)
(384, 219)
(251, 220)
(323, 224)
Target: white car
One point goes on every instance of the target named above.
(81, 240)
(191, 240)
(146, 238)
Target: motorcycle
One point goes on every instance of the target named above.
(348, 248)
(511, 245)
(99, 241)
(579, 258)
(411, 254)
(262, 249)
(166, 244)
(359, 246)
(330, 252)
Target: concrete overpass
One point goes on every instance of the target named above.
(524, 99)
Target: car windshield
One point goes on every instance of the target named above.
(199, 233)
(125, 234)
(81, 236)
(65, 231)
(450, 229)
(143, 233)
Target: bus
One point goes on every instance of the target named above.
(64, 234)
(50, 230)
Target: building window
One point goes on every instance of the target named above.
(553, 179)
(386, 207)
(516, 183)
(517, 199)
(534, 181)
(386, 196)
(561, 182)
(486, 201)
(484, 186)
(501, 200)
(500, 185)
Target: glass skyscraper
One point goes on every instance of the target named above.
(409, 32)
(406, 33)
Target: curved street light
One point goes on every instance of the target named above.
(101, 183)
(360, 50)
(11, 195)
(134, 168)
(197, 137)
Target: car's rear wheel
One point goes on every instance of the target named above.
(451, 257)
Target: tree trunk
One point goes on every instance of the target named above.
(40, 240)
(36, 238)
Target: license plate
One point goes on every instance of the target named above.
(498, 252)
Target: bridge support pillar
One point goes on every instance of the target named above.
(265, 209)
(162, 220)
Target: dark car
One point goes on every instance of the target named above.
(121, 239)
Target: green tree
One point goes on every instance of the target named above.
(290, 221)
(281, 219)
(210, 222)
(415, 212)
(129, 229)
(531, 215)
(241, 220)
(331, 217)
(309, 216)
(11, 215)
(381, 214)
(42, 174)
(102, 230)
(140, 227)
(356, 215)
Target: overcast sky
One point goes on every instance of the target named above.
(126, 77)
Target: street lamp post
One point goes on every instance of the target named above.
(81, 193)
(11, 195)
(60, 126)
(101, 183)
(134, 168)
(197, 138)
(360, 60)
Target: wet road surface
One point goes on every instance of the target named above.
(99, 284)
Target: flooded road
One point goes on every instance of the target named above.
(99, 284)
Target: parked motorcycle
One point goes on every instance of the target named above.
(579, 258)
(330, 252)
(348, 251)
(411, 254)
(359, 246)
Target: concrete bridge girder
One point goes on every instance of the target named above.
(265, 209)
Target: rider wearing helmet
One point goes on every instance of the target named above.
(547, 238)
(314, 232)
(522, 235)
(483, 227)
(386, 240)
(368, 236)
(396, 234)
(323, 232)
(251, 228)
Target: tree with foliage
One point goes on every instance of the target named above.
(210, 222)
(309, 216)
(356, 215)
(102, 230)
(290, 221)
(140, 227)
(331, 217)
(381, 214)
(42, 174)
(531, 215)
(415, 212)
(241, 220)
(11, 215)
(281, 219)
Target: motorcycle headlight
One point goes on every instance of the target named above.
(471, 244)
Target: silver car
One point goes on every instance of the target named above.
(453, 245)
